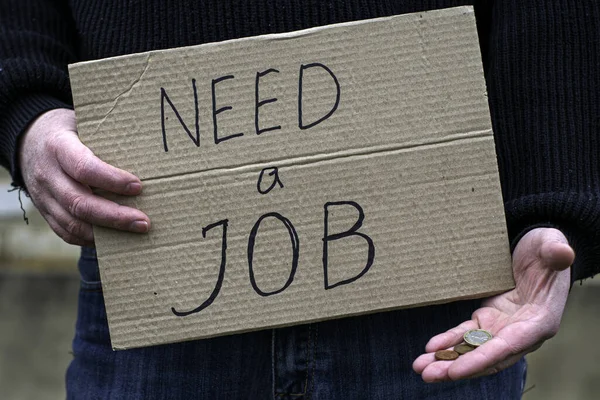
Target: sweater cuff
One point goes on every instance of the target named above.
(18, 117)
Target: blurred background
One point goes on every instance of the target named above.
(38, 305)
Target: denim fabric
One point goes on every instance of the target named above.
(367, 357)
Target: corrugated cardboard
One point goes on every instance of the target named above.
(388, 177)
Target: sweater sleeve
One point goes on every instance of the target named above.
(36, 44)
(543, 76)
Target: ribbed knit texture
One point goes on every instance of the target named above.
(541, 59)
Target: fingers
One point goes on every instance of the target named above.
(72, 212)
(83, 169)
(71, 229)
(427, 365)
(82, 205)
(442, 341)
(504, 350)
(558, 256)
(474, 364)
(451, 337)
(423, 361)
(484, 357)
(64, 235)
(83, 166)
(436, 371)
(509, 362)
(546, 245)
(58, 171)
(553, 249)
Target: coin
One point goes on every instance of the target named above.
(446, 355)
(463, 348)
(477, 337)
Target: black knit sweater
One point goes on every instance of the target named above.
(541, 60)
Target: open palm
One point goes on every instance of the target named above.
(520, 320)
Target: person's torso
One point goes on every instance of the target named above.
(116, 27)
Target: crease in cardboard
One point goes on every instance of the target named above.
(175, 244)
(124, 94)
(347, 153)
(95, 103)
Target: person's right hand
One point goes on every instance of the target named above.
(59, 171)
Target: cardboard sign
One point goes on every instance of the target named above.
(298, 177)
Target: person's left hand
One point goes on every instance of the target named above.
(520, 320)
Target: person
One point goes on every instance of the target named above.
(541, 64)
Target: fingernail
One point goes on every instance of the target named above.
(134, 188)
(139, 226)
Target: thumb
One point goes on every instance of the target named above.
(553, 249)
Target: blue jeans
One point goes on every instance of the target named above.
(367, 357)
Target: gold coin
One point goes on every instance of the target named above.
(463, 348)
(477, 337)
(446, 355)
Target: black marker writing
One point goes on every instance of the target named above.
(217, 288)
(327, 237)
(220, 110)
(276, 180)
(300, 88)
(295, 252)
(163, 97)
(259, 103)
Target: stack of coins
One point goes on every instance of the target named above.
(473, 339)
